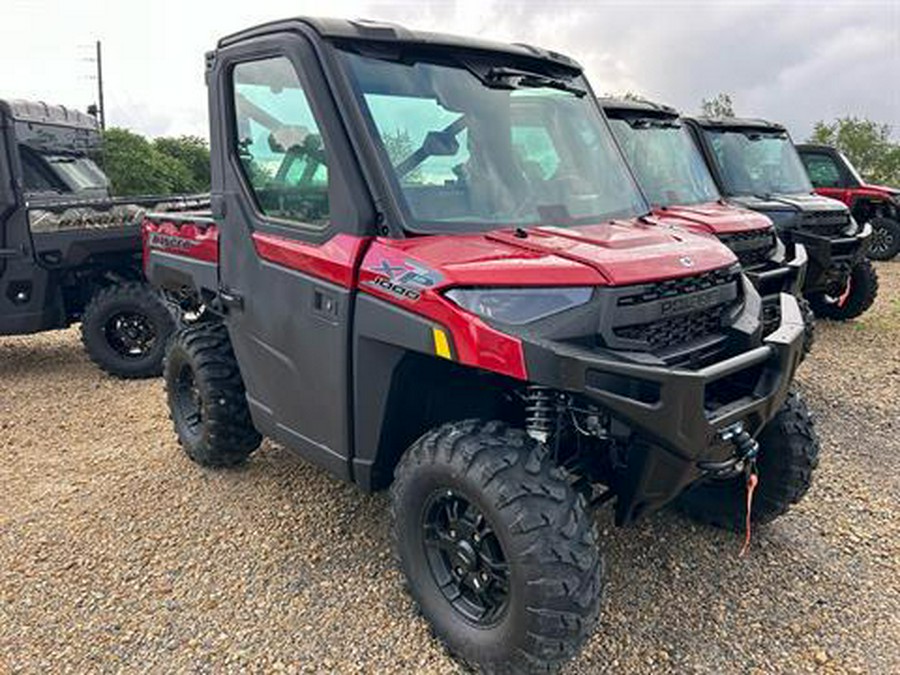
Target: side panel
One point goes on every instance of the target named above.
(182, 255)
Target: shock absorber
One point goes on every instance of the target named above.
(540, 412)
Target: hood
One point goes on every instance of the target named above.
(800, 202)
(714, 218)
(619, 253)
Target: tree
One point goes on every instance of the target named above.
(399, 146)
(720, 105)
(193, 153)
(136, 166)
(866, 144)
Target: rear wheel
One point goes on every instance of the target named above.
(851, 300)
(125, 328)
(788, 455)
(499, 550)
(207, 400)
(885, 238)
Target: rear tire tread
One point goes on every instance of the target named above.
(228, 436)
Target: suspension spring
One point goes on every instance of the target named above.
(540, 412)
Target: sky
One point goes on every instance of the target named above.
(793, 62)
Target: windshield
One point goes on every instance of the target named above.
(758, 163)
(501, 148)
(668, 165)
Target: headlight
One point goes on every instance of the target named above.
(518, 306)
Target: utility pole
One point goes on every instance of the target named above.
(102, 114)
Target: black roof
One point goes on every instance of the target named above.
(737, 123)
(814, 146)
(40, 112)
(629, 106)
(391, 33)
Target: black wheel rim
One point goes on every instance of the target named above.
(465, 558)
(130, 334)
(188, 402)
(882, 240)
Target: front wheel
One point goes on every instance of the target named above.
(788, 455)
(885, 238)
(499, 550)
(849, 302)
(125, 328)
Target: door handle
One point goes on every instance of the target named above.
(325, 305)
(230, 300)
(10, 253)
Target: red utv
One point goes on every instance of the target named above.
(428, 268)
(834, 176)
(670, 170)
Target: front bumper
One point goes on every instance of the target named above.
(829, 256)
(677, 414)
(781, 273)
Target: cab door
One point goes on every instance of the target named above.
(286, 194)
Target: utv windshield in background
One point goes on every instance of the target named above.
(60, 173)
(758, 163)
(502, 148)
(669, 167)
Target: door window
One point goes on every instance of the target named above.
(278, 142)
(822, 170)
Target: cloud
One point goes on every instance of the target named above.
(792, 62)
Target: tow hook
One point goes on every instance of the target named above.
(745, 451)
(744, 462)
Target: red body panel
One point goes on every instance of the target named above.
(198, 240)
(474, 342)
(336, 260)
(712, 218)
(850, 195)
(617, 254)
(412, 273)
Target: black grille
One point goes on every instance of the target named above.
(674, 287)
(751, 248)
(826, 223)
(679, 330)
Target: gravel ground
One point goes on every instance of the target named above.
(119, 554)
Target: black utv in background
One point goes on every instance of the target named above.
(68, 251)
(756, 166)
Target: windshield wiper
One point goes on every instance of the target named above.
(512, 78)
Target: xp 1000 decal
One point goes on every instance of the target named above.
(405, 279)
